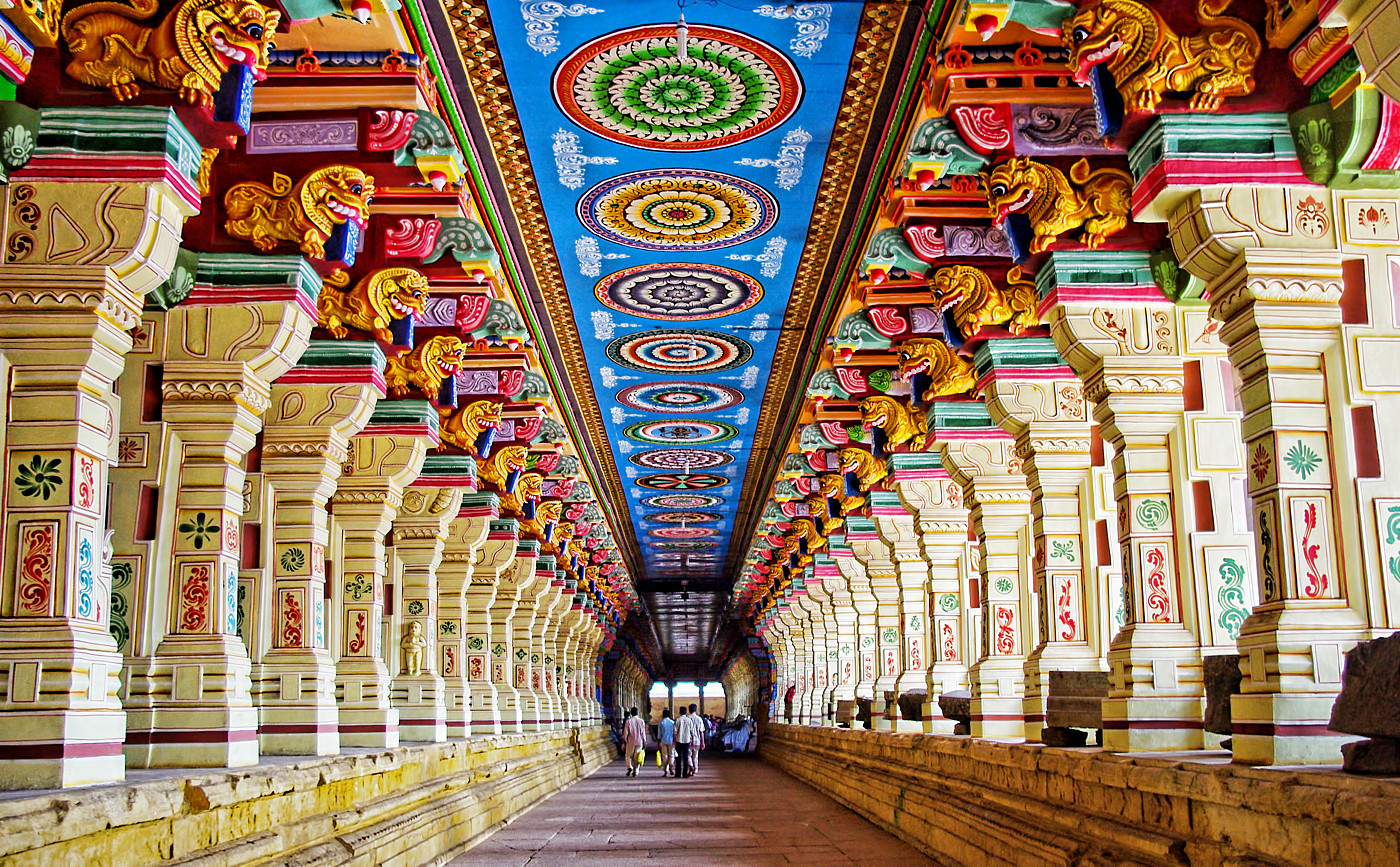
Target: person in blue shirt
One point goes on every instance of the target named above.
(666, 733)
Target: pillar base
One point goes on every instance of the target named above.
(998, 698)
(1150, 723)
(1285, 729)
(375, 727)
(422, 711)
(193, 737)
(483, 714)
(510, 711)
(296, 703)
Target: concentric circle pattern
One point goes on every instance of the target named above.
(683, 532)
(675, 431)
(631, 87)
(679, 292)
(679, 351)
(684, 517)
(682, 459)
(682, 481)
(685, 545)
(679, 397)
(683, 501)
(666, 209)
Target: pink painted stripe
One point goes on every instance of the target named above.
(407, 430)
(338, 375)
(1201, 173)
(138, 168)
(212, 296)
(961, 433)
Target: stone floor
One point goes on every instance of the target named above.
(737, 810)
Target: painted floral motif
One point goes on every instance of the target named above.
(40, 477)
(415, 607)
(87, 608)
(1317, 579)
(1004, 585)
(1266, 555)
(665, 210)
(475, 643)
(447, 627)
(1006, 629)
(1302, 460)
(770, 262)
(813, 22)
(291, 620)
(1230, 597)
(122, 577)
(1062, 550)
(37, 562)
(1159, 602)
(1392, 535)
(201, 529)
(632, 87)
(948, 602)
(790, 160)
(194, 598)
(679, 292)
(950, 642)
(1260, 462)
(1152, 513)
(1065, 605)
(680, 351)
(293, 560)
(358, 588)
(541, 27)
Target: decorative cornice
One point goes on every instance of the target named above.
(251, 393)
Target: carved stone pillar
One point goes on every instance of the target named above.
(898, 529)
(550, 646)
(863, 601)
(1125, 349)
(843, 629)
(510, 617)
(1033, 395)
(70, 306)
(875, 555)
(981, 457)
(537, 618)
(384, 460)
(465, 537)
(315, 408)
(420, 536)
(936, 502)
(191, 703)
(486, 642)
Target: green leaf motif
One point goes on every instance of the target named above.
(1003, 585)
(448, 627)
(475, 643)
(1061, 550)
(1231, 597)
(1302, 460)
(292, 560)
(39, 477)
(358, 588)
(1152, 513)
(201, 529)
(948, 602)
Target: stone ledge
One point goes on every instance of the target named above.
(976, 801)
(400, 806)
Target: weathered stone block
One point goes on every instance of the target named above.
(1056, 736)
(1222, 676)
(1369, 704)
(911, 705)
(1076, 699)
(957, 705)
(1375, 756)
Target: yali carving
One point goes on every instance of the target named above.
(304, 213)
(1094, 200)
(375, 301)
(976, 302)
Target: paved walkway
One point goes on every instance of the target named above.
(737, 810)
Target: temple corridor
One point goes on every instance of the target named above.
(737, 810)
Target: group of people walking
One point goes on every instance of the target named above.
(681, 740)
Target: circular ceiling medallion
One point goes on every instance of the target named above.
(680, 351)
(683, 532)
(681, 459)
(682, 481)
(676, 431)
(683, 501)
(679, 397)
(666, 209)
(685, 545)
(631, 87)
(684, 517)
(679, 292)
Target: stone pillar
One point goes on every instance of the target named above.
(897, 528)
(191, 703)
(1280, 315)
(510, 628)
(842, 631)
(465, 537)
(385, 458)
(1127, 355)
(863, 601)
(936, 502)
(315, 408)
(1033, 395)
(875, 555)
(420, 536)
(545, 598)
(486, 641)
(981, 458)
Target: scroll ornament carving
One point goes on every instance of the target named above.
(1103, 387)
(255, 398)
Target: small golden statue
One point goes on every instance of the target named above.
(425, 366)
(188, 51)
(1096, 200)
(949, 372)
(374, 302)
(869, 470)
(900, 423)
(414, 646)
(976, 302)
(462, 428)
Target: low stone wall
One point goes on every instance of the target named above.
(981, 802)
(407, 806)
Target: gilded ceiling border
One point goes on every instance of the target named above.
(870, 60)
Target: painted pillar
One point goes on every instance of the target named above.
(420, 536)
(843, 629)
(466, 536)
(191, 704)
(1125, 349)
(981, 457)
(385, 458)
(863, 601)
(936, 502)
(315, 408)
(486, 644)
(1033, 395)
(66, 329)
(509, 627)
(875, 555)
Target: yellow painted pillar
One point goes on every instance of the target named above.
(486, 645)
(465, 537)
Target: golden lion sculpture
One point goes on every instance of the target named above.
(898, 421)
(869, 470)
(375, 301)
(425, 366)
(497, 469)
(462, 428)
(1097, 201)
(976, 302)
(304, 213)
(188, 51)
(950, 373)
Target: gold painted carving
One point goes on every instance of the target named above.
(976, 302)
(425, 366)
(379, 298)
(413, 645)
(899, 422)
(869, 470)
(833, 487)
(304, 213)
(950, 372)
(1098, 200)
(530, 487)
(463, 427)
(188, 51)
(497, 469)
(1147, 59)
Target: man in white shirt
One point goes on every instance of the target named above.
(697, 738)
(683, 732)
